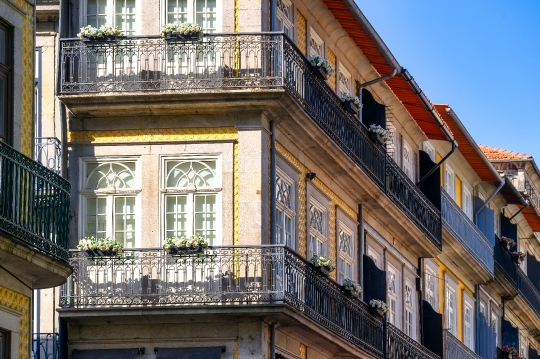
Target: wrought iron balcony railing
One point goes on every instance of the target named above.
(401, 346)
(533, 194)
(221, 276)
(45, 346)
(466, 232)
(241, 61)
(455, 349)
(504, 263)
(34, 203)
(48, 152)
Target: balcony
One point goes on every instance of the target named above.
(401, 346)
(466, 232)
(226, 62)
(222, 276)
(455, 349)
(48, 152)
(45, 346)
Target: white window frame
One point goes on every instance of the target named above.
(451, 308)
(494, 323)
(373, 254)
(394, 314)
(346, 259)
(466, 200)
(191, 14)
(315, 38)
(320, 238)
(217, 191)
(431, 279)
(430, 150)
(110, 194)
(286, 21)
(111, 14)
(407, 165)
(288, 212)
(450, 181)
(468, 326)
(344, 74)
(410, 310)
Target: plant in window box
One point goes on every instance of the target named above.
(509, 352)
(378, 133)
(322, 264)
(181, 31)
(103, 247)
(322, 68)
(175, 245)
(518, 256)
(351, 103)
(507, 242)
(378, 307)
(351, 288)
(104, 33)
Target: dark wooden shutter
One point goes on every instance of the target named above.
(533, 354)
(372, 111)
(432, 330)
(485, 220)
(509, 230)
(431, 186)
(510, 335)
(374, 281)
(533, 267)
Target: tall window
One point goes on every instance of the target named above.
(316, 44)
(109, 197)
(121, 13)
(467, 203)
(393, 292)
(285, 211)
(191, 198)
(430, 150)
(468, 326)
(431, 288)
(410, 304)
(202, 12)
(285, 17)
(317, 229)
(450, 181)
(346, 253)
(6, 96)
(451, 315)
(494, 323)
(407, 160)
(4, 344)
(344, 80)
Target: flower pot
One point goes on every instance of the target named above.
(375, 312)
(320, 72)
(515, 259)
(349, 292)
(322, 270)
(351, 107)
(98, 40)
(181, 37)
(100, 253)
(503, 245)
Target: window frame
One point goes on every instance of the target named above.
(451, 311)
(287, 211)
(373, 254)
(342, 71)
(466, 194)
(110, 195)
(407, 166)
(192, 13)
(430, 150)
(288, 23)
(6, 71)
(217, 190)
(410, 310)
(343, 257)
(5, 336)
(450, 178)
(393, 314)
(111, 15)
(468, 325)
(314, 37)
(312, 232)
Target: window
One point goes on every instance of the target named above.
(4, 344)
(407, 160)
(316, 45)
(483, 310)
(285, 17)
(495, 325)
(430, 150)
(346, 253)
(192, 200)
(110, 195)
(285, 211)
(202, 12)
(468, 326)
(375, 256)
(410, 304)
(344, 80)
(121, 13)
(6, 73)
(431, 289)
(393, 292)
(317, 229)
(467, 203)
(449, 181)
(451, 315)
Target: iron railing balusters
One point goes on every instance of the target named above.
(45, 346)
(455, 349)
(401, 346)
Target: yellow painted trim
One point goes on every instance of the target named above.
(155, 135)
(236, 13)
(332, 80)
(303, 351)
(459, 193)
(22, 304)
(301, 32)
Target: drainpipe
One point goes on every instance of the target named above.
(361, 249)
(273, 22)
(477, 315)
(407, 76)
(501, 184)
(273, 340)
(273, 182)
(518, 212)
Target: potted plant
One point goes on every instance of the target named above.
(104, 33)
(322, 264)
(378, 133)
(175, 245)
(103, 247)
(378, 307)
(506, 242)
(322, 68)
(351, 103)
(509, 352)
(185, 31)
(518, 257)
(351, 288)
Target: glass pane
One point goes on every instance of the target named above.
(91, 7)
(102, 7)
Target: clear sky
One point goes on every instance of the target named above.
(482, 57)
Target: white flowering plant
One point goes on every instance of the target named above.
(346, 96)
(181, 28)
(321, 261)
(103, 31)
(352, 285)
(317, 60)
(381, 306)
(102, 244)
(183, 243)
(382, 133)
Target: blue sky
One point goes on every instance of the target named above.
(480, 56)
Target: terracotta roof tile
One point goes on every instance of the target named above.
(494, 154)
